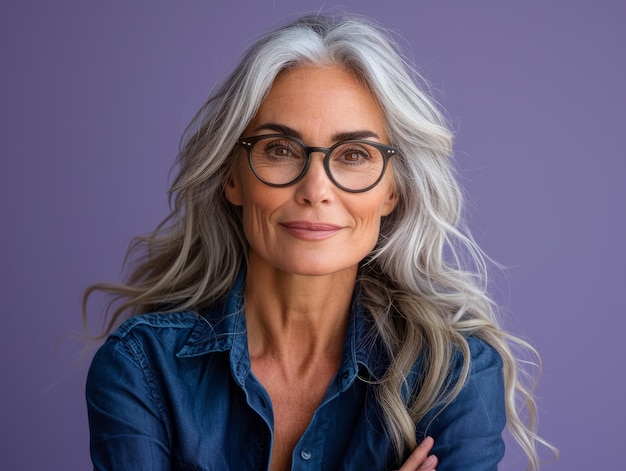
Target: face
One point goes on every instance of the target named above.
(313, 227)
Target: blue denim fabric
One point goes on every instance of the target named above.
(176, 391)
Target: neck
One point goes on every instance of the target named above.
(296, 319)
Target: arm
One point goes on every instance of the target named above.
(126, 430)
(468, 433)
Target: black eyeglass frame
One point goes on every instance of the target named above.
(385, 150)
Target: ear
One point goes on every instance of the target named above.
(390, 203)
(233, 189)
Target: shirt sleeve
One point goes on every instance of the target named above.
(125, 416)
(468, 433)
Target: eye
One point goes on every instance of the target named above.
(280, 149)
(353, 154)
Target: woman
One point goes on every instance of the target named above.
(309, 307)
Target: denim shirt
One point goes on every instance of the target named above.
(176, 392)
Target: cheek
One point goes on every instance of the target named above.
(368, 217)
(258, 207)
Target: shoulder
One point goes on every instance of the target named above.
(145, 350)
(484, 362)
(166, 330)
(482, 355)
(484, 383)
(174, 321)
(142, 338)
(149, 338)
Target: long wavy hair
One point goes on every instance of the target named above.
(424, 283)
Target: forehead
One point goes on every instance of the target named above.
(320, 101)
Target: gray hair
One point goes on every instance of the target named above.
(424, 283)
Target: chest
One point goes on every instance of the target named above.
(293, 408)
(224, 423)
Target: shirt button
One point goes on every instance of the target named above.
(305, 454)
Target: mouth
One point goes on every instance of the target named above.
(307, 230)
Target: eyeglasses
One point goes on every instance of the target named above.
(354, 166)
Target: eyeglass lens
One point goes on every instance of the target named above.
(354, 165)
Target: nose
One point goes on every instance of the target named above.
(315, 187)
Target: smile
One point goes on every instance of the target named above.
(310, 230)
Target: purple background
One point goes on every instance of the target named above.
(94, 99)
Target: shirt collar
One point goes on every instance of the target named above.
(218, 326)
(223, 327)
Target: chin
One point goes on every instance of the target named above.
(320, 269)
(305, 263)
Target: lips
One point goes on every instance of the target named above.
(308, 230)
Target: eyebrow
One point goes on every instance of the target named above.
(342, 136)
